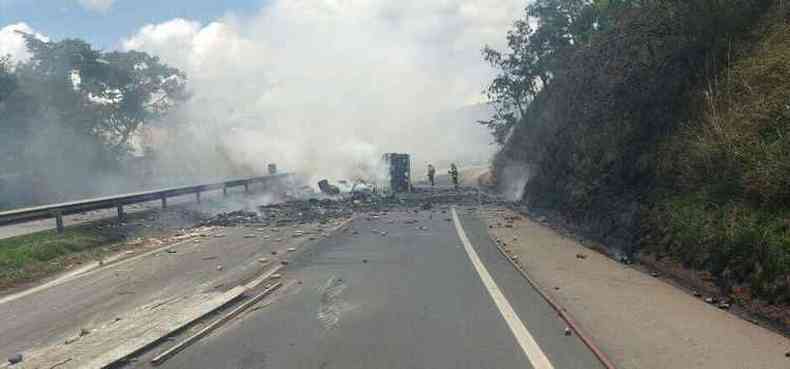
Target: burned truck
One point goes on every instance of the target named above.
(399, 171)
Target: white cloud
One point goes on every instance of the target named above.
(12, 43)
(319, 85)
(100, 6)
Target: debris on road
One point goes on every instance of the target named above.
(327, 188)
(15, 359)
(219, 267)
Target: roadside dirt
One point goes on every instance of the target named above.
(640, 321)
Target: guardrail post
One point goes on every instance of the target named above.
(164, 202)
(225, 191)
(119, 207)
(59, 221)
(197, 194)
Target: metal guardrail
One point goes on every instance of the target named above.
(57, 211)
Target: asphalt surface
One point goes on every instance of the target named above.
(407, 298)
(52, 314)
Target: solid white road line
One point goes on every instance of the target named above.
(535, 355)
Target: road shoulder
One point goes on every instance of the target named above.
(639, 321)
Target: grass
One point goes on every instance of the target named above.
(725, 207)
(742, 245)
(30, 257)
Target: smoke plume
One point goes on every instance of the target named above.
(324, 87)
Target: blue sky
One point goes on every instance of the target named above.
(68, 18)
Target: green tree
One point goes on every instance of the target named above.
(7, 79)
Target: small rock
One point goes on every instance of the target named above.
(14, 359)
(556, 288)
(787, 354)
(292, 249)
(724, 306)
(697, 294)
(448, 219)
(284, 262)
(263, 260)
(171, 251)
(383, 233)
(84, 332)
(274, 252)
(710, 300)
(250, 236)
(219, 235)
(364, 261)
(423, 228)
(581, 256)
(655, 274)
(568, 331)
(219, 267)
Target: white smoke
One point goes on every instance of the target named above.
(12, 43)
(326, 86)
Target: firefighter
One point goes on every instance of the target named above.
(431, 174)
(454, 174)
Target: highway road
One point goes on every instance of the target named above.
(401, 290)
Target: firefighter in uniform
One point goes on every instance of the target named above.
(431, 174)
(454, 174)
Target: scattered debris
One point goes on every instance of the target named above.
(327, 188)
(568, 331)
(15, 359)
(581, 256)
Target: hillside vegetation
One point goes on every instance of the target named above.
(659, 126)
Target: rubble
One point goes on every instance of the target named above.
(327, 188)
(15, 359)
